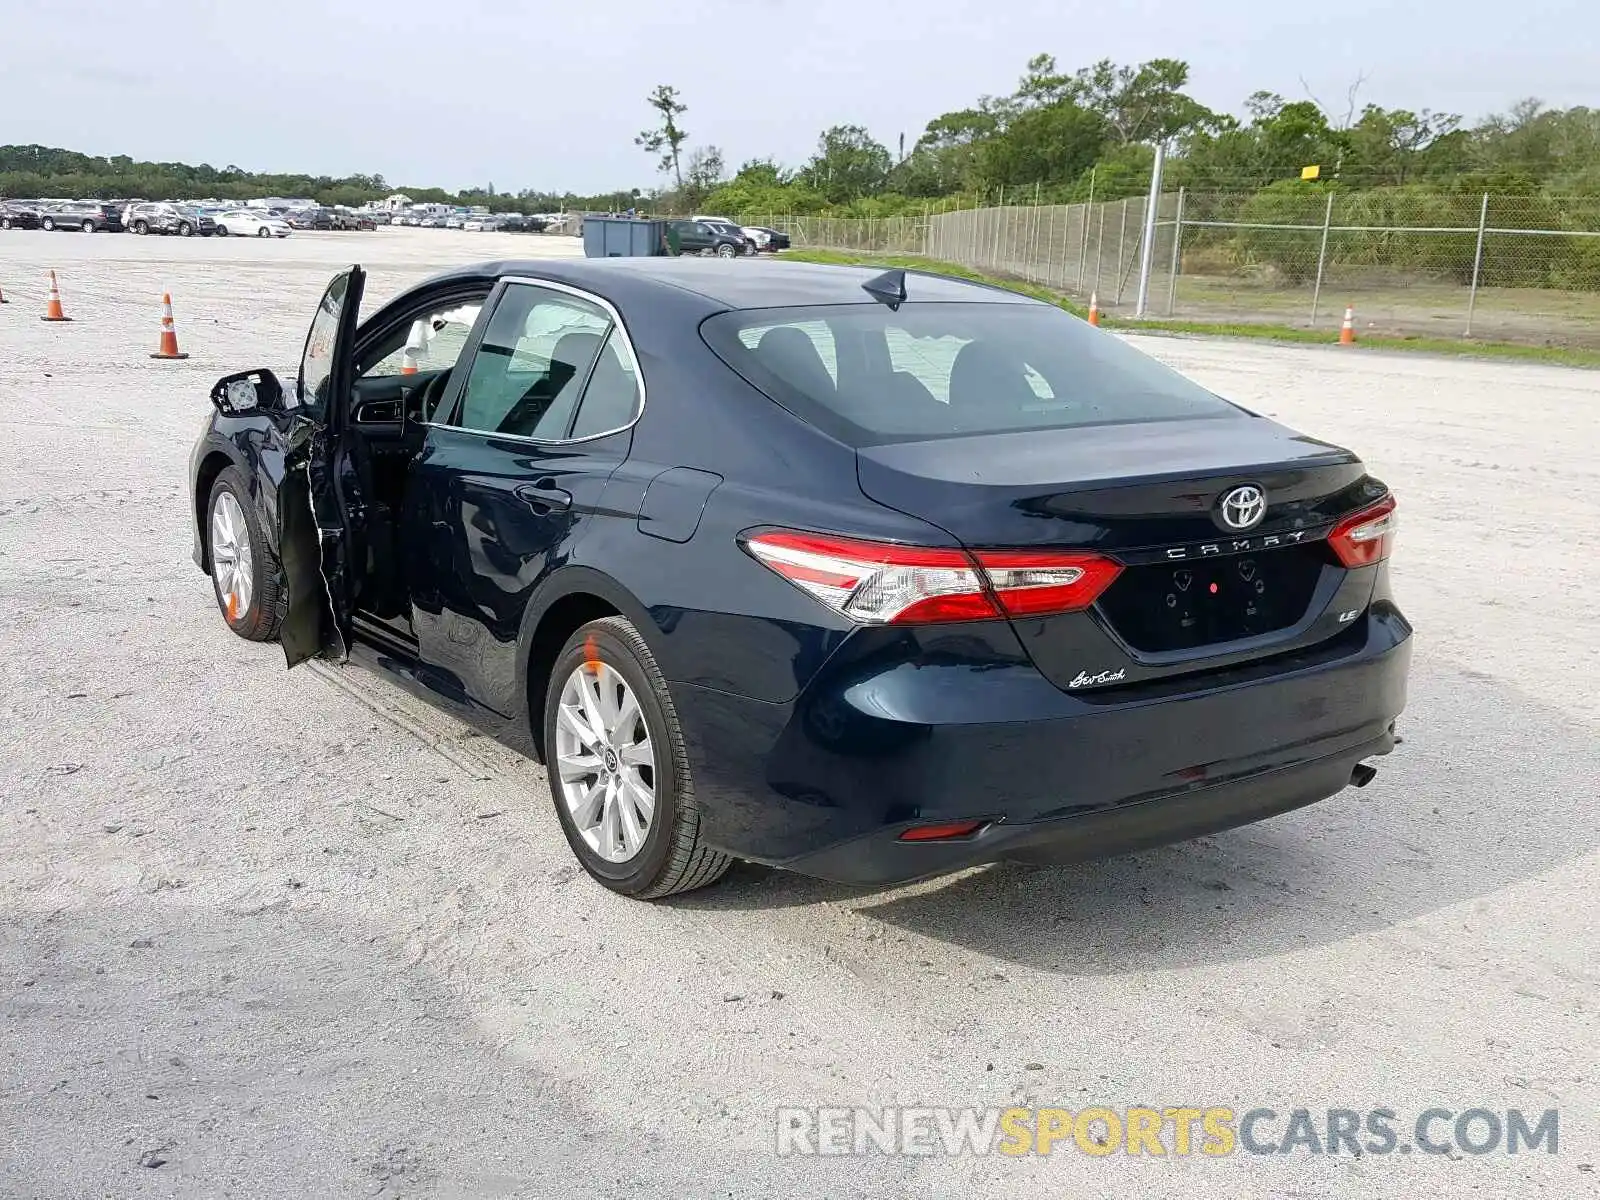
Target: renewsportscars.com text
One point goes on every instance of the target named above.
(1179, 1131)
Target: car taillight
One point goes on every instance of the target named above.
(880, 583)
(1366, 537)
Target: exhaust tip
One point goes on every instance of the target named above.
(1362, 774)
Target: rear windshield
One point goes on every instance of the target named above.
(868, 375)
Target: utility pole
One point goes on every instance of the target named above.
(1148, 253)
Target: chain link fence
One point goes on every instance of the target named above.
(1409, 262)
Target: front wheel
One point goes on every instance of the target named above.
(185, 229)
(618, 771)
(5, 222)
(141, 228)
(47, 224)
(222, 231)
(726, 251)
(244, 570)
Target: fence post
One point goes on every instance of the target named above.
(1322, 258)
(1177, 246)
(1122, 247)
(1477, 264)
(1099, 244)
(1050, 241)
(1083, 251)
(1147, 255)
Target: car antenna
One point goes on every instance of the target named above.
(888, 288)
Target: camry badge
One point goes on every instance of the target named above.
(1242, 508)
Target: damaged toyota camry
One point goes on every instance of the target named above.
(871, 575)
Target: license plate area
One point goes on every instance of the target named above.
(1160, 607)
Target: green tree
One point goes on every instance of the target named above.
(848, 164)
(667, 138)
(1143, 103)
(705, 171)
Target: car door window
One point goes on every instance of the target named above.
(532, 363)
(436, 346)
(316, 364)
(613, 397)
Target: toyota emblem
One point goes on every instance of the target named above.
(1242, 508)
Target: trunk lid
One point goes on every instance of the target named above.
(1192, 594)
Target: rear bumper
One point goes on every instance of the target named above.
(875, 744)
(1131, 825)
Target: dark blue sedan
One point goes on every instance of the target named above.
(870, 575)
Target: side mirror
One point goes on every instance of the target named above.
(247, 392)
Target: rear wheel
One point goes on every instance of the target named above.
(185, 229)
(244, 570)
(5, 222)
(263, 232)
(141, 227)
(617, 767)
(47, 223)
(87, 226)
(222, 231)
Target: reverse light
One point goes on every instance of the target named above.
(944, 831)
(880, 583)
(1366, 537)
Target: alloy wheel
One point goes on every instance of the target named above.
(605, 762)
(232, 566)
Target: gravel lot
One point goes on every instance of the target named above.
(297, 935)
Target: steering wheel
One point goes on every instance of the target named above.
(432, 393)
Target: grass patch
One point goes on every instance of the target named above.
(1561, 355)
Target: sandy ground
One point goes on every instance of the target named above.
(293, 934)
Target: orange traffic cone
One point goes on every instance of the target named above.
(52, 306)
(417, 342)
(1094, 308)
(169, 332)
(1347, 331)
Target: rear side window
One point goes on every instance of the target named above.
(866, 374)
(533, 362)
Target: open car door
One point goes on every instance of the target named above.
(313, 527)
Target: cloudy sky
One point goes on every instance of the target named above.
(549, 95)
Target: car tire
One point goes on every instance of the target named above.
(141, 228)
(255, 600)
(5, 222)
(263, 232)
(671, 856)
(87, 227)
(222, 231)
(47, 224)
(185, 229)
(727, 251)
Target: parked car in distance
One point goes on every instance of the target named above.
(87, 215)
(165, 217)
(19, 214)
(993, 585)
(311, 218)
(747, 244)
(707, 239)
(251, 222)
(775, 240)
(478, 224)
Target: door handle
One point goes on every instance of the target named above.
(544, 496)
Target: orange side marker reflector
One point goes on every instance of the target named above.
(591, 655)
